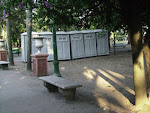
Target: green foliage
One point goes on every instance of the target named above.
(77, 14)
(18, 26)
(17, 17)
(63, 12)
(0, 31)
(74, 14)
(120, 35)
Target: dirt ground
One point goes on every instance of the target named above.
(107, 82)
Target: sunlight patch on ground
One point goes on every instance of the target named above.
(106, 94)
(101, 83)
(18, 72)
(85, 67)
(62, 68)
(0, 87)
(6, 82)
(106, 105)
(145, 108)
(89, 73)
(22, 78)
(111, 107)
(116, 74)
(116, 81)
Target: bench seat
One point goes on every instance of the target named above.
(4, 65)
(66, 87)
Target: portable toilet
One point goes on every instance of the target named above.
(77, 44)
(24, 45)
(89, 43)
(48, 44)
(63, 45)
(102, 42)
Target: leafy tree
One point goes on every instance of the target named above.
(132, 16)
(9, 7)
(5, 11)
(111, 15)
(128, 14)
(124, 14)
(18, 26)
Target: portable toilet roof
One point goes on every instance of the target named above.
(75, 32)
(45, 33)
(25, 33)
(87, 31)
(50, 33)
(91, 31)
(61, 33)
(97, 30)
(33, 33)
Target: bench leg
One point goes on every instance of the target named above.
(4, 66)
(50, 87)
(69, 94)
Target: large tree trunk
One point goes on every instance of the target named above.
(146, 49)
(134, 25)
(132, 15)
(138, 68)
(9, 43)
(147, 58)
(29, 30)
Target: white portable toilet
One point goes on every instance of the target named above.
(77, 44)
(63, 45)
(48, 44)
(89, 43)
(24, 45)
(102, 42)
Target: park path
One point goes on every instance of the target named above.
(24, 93)
(107, 86)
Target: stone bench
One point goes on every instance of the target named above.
(4, 64)
(66, 87)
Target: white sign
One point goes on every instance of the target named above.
(100, 35)
(76, 38)
(49, 39)
(62, 39)
(89, 37)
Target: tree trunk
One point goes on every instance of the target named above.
(147, 58)
(9, 43)
(137, 55)
(138, 68)
(29, 30)
(146, 50)
(132, 15)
